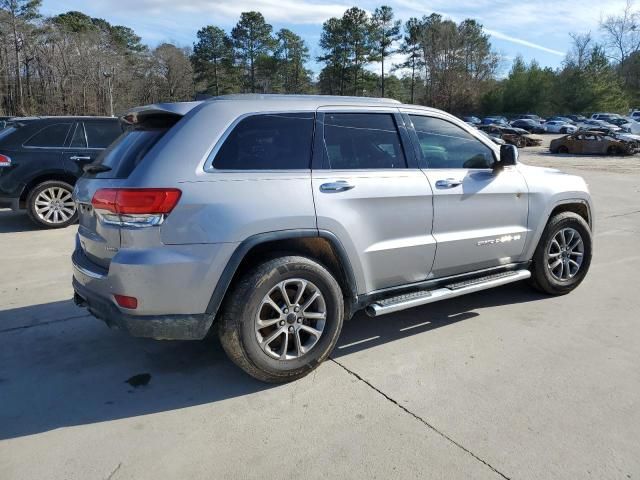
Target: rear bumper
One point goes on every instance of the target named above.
(160, 327)
(172, 291)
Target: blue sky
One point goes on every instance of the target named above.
(535, 29)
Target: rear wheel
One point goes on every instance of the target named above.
(282, 319)
(50, 204)
(563, 256)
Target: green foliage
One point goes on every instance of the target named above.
(291, 54)
(384, 32)
(348, 43)
(212, 61)
(588, 85)
(253, 43)
(70, 62)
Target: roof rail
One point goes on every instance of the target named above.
(283, 97)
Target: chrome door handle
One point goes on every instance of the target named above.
(337, 186)
(76, 158)
(448, 183)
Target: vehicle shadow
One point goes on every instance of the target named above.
(74, 371)
(363, 332)
(11, 221)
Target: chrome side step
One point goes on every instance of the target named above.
(422, 297)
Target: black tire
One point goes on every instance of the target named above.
(56, 221)
(542, 277)
(563, 149)
(614, 151)
(237, 323)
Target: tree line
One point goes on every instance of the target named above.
(74, 64)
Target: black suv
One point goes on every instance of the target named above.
(41, 159)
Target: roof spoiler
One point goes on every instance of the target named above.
(158, 112)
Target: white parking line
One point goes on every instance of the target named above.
(414, 326)
(359, 342)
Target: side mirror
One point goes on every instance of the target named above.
(508, 156)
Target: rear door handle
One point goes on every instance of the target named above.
(78, 158)
(448, 183)
(337, 186)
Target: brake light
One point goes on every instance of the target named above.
(137, 207)
(4, 161)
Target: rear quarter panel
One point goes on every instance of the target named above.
(224, 205)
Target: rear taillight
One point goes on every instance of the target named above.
(4, 161)
(135, 207)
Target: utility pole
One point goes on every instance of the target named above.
(109, 77)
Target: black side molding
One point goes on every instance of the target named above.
(241, 251)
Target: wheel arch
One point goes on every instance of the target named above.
(579, 207)
(56, 175)
(321, 246)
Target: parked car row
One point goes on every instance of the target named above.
(603, 122)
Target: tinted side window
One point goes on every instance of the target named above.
(101, 134)
(445, 145)
(50, 136)
(362, 140)
(268, 142)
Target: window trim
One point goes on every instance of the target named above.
(416, 142)
(67, 139)
(86, 137)
(208, 163)
(319, 157)
(79, 125)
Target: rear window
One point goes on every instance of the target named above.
(268, 142)
(127, 152)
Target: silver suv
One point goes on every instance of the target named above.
(274, 218)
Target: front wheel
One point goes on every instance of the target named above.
(282, 319)
(563, 256)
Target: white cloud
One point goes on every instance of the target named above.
(282, 11)
(520, 41)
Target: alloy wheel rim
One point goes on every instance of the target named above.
(565, 254)
(291, 319)
(55, 205)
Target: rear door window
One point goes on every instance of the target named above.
(50, 136)
(101, 134)
(278, 141)
(357, 141)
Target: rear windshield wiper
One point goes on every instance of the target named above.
(96, 168)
